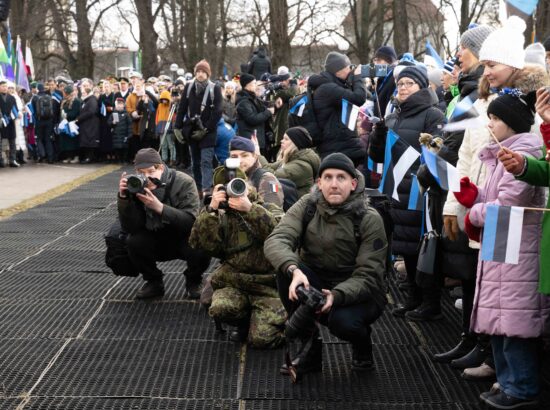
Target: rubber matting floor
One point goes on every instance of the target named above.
(73, 337)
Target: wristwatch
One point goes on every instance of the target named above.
(290, 270)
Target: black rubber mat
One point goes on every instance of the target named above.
(100, 223)
(23, 360)
(90, 241)
(66, 261)
(23, 241)
(123, 403)
(165, 321)
(356, 405)
(9, 257)
(53, 285)
(174, 286)
(8, 404)
(191, 370)
(53, 319)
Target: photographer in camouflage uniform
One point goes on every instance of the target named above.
(245, 290)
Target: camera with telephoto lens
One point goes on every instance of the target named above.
(137, 183)
(302, 320)
(374, 70)
(234, 187)
(196, 122)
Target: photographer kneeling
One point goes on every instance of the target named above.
(342, 253)
(233, 228)
(157, 208)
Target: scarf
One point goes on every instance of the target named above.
(153, 221)
(200, 87)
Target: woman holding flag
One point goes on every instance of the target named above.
(106, 105)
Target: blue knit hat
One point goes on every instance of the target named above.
(387, 53)
(241, 144)
(449, 65)
(417, 73)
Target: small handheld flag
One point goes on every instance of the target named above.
(502, 234)
(445, 174)
(415, 197)
(432, 57)
(350, 112)
(103, 109)
(298, 108)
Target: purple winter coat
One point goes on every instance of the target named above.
(506, 301)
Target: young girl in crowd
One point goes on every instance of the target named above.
(507, 305)
(121, 128)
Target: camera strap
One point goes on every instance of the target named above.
(208, 92)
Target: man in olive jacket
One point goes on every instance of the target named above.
(342, 253)
(158, 222)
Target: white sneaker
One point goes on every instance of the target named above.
(75, 160)
(66, 161)
(458, 304)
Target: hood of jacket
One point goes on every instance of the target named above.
(531, 78)
(244, 95)
(307, 155)
(316, 80)
(417, 102)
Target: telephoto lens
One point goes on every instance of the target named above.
(136, 184)
(236, 188)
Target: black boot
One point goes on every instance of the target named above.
(361, 359)
(151, 289)
(309, 359)
(474, 358)
(240, 333)
(20, 156)
(467, 343)
(425, 312)
(412, 301)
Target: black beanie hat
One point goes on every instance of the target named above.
(300, 137)
(245, 79)
(338, 161)
(417, 73)
(335, 61)
(515, 111)
(387, 53)
(147, 157)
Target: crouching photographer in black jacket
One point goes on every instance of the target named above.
(157, 208)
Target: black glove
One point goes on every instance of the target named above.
(426, 179)
(198, 135)
(377, 142)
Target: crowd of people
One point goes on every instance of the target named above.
(301, 243)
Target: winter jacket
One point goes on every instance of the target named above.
(301, 168)
(122, 130)
(229, 111)
(131, 106)
(259, 64)
(210, 116)
(162, 113)
(415, 115)
(7, 103)
(506, 301)
(147, 111)
(385, 88)
(354, 270)
(178, 215)
(252, 115)
(538, 174)
(88, 123)
(280, 119)
(225, 134)
(475, 139)
(327, 103)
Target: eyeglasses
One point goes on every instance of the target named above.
(406, 84)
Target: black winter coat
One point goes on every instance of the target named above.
(6, 106)
(327, 103)
(88, 123)
(259, 64)
(384, 91)
(415, 115)
(252, 114)
(210, 116)
(122, 130)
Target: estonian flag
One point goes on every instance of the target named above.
(445, 174)
(375, 166)
(398, 159)
(464, 109)
(103, 109)
(432, 57)
(30, 112)
(349, 114)
(416, 202)
(298, 108)
(57, 96)
(502, 234)
(14, 113)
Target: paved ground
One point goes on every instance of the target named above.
(72, 336)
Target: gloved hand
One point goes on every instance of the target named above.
(468, 193)
(425, 178)
(198, 135)
(472, 231)
(377, 142)
(450, 224)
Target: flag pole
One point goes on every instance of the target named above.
(495, 138)
(537, 209)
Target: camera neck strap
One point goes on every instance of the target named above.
(209, 91)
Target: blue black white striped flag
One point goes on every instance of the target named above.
(103, 109)
(14, 113)
(502, 234)
(375, 166)
(445, 174)
(416, 199)
(350, 112)
(298, 108)
(432, 57)
(398, 159)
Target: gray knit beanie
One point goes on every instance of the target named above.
(335, 61)
(473, 38)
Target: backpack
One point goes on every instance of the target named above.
(301, 113)
(117, 257)
(289, 188)
(44, 107)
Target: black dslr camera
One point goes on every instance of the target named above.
(137, 183)
(196, 122)
(302, 320)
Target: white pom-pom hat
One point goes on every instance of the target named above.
(505, 45)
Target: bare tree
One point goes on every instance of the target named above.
(400, 26)
(148, 36)
(542, 22)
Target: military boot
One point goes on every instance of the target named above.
(151, 289)
(361, 359)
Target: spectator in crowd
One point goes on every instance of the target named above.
(385, 87)
(69, 144)
(42, 106)
(7, 131)
(20, 142)
(88, 123)
(229, 103)
(260, 63)
(121, 129)
(164, 128)
(281, 99)
(106, 106)
(225, 134)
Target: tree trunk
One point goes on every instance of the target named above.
(147, 38)
(85, 56)
(225, 35)
(464, 15)
(279, 40)
(211, 53)
(190, 33)
(364, 20)
(543, 20)
(379, 31)
(401, 26)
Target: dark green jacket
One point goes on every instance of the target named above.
(301, 169)
(280, 119)
(330, 249)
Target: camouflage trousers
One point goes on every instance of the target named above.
(259, 303)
